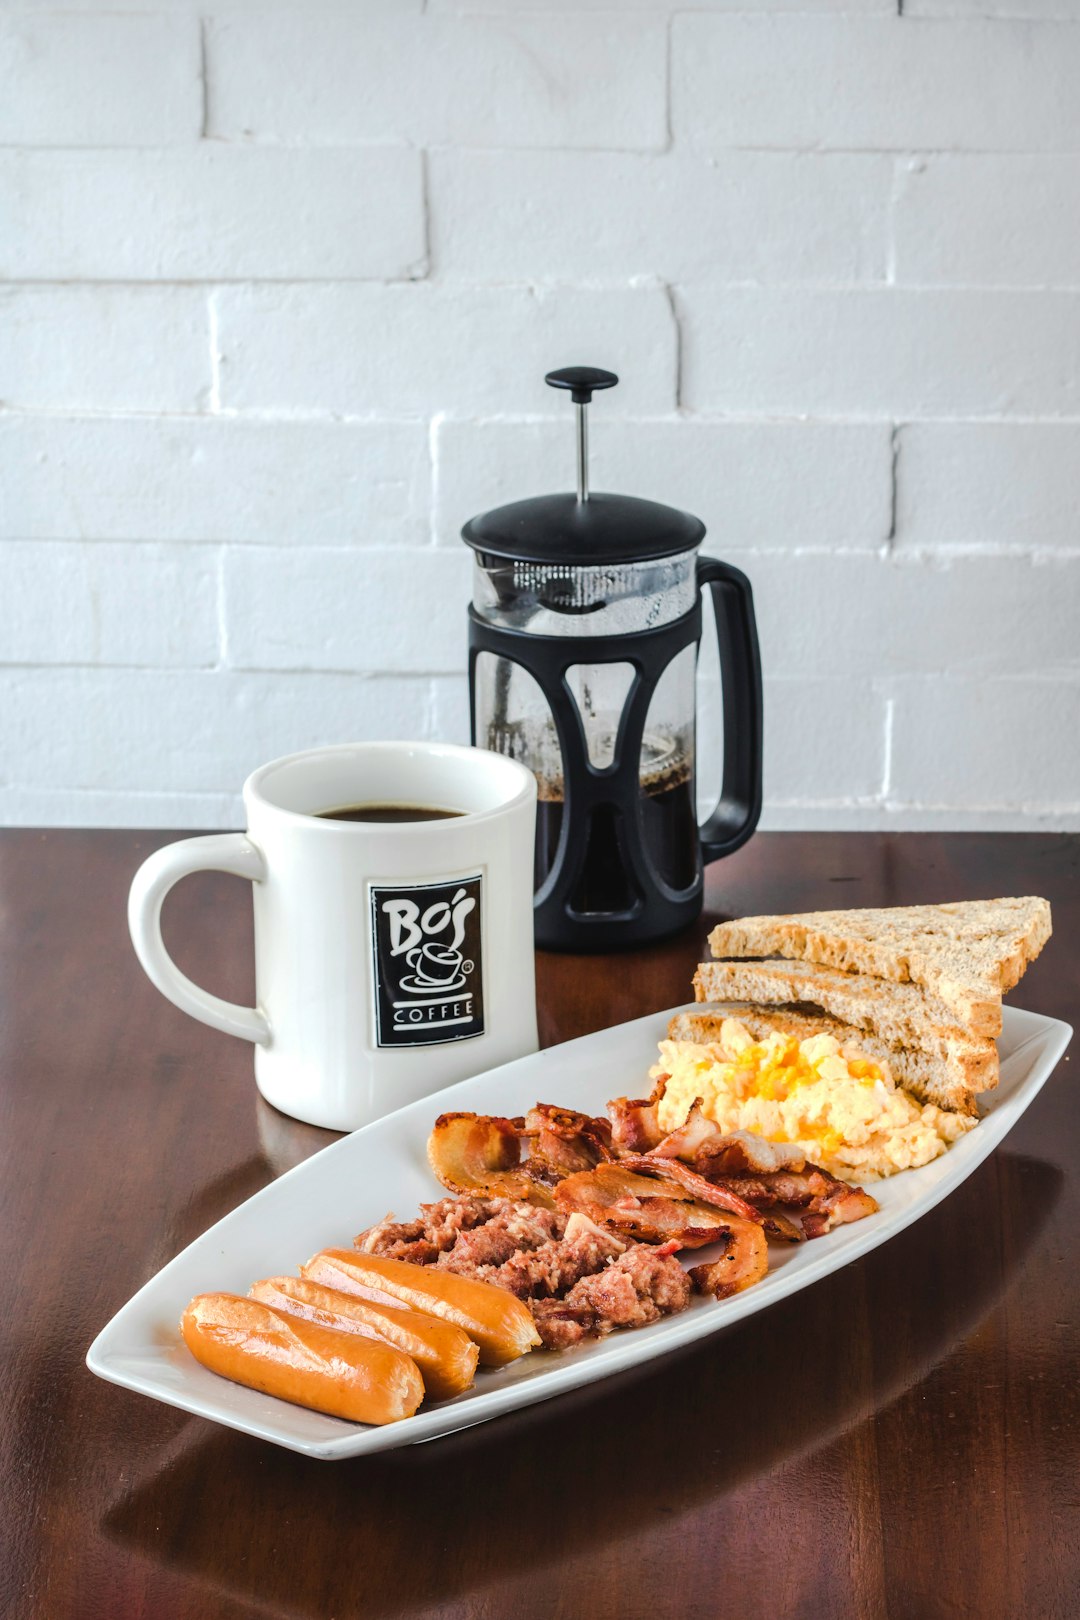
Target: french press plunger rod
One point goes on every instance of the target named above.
(582, 381)
(583, 638)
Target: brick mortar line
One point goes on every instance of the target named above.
(914, 557)
(1061, 679)
(434, 464)
(894, 487)
(672, 296)
(516, 418)
(425, 214)
(213, 397)
(677, 152)
(204, 80)
(140, 793)
(221, 611)
(450, 284)
(669, 99)
(456, 284)
(1061, 807)
(375, 676)
(1065, 807)
(887, 749)
(284, 415)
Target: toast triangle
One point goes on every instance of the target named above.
(897, 1014)
(967, 953)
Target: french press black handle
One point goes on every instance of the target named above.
(739, 807)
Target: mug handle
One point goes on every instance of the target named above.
(221, 852)
(737, 813)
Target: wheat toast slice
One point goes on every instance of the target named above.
(966, 953)
(901, 1015)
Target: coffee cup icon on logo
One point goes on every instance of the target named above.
(428, 947)
(437, 966)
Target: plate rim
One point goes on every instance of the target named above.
(620, 1351)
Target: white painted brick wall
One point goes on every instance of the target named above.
(1007, 485)
(99, 80)
(235, 479)
(879, 84)
(98, 348)
(214, 212)
(740, 216)
(989, 221)
(116, 729)
(322, 609)
(366, 349)
(953, 738)
(1064, 10)
(72, 604)
(379, 74)
(280, 284)
(874, 618)
(888, 352)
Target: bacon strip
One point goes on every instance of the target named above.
(740, 1152)
(561, 1142)
(745, 1260)
(826, 1201)
(695, 1135)
(839, 1208)
(709, 1192)
(650, 1210)
(635, 1125)
(481, 1153)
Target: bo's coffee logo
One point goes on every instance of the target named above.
(426, 947)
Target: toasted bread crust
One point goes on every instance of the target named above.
(965, 953)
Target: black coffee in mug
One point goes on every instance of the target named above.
(388, 812)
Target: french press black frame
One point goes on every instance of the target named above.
(586, 530)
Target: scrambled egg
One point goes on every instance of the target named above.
(844, 1111)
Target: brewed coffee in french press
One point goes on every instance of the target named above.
(583, 639)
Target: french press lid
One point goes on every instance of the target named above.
(583, 529)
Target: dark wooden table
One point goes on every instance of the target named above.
(901, 1440)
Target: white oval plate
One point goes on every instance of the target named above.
(326, 1200)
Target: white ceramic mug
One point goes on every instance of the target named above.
(391, 958)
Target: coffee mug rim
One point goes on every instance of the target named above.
(254, 791)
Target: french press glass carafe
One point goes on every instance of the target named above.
(583, 637)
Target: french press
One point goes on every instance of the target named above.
(583, 638)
